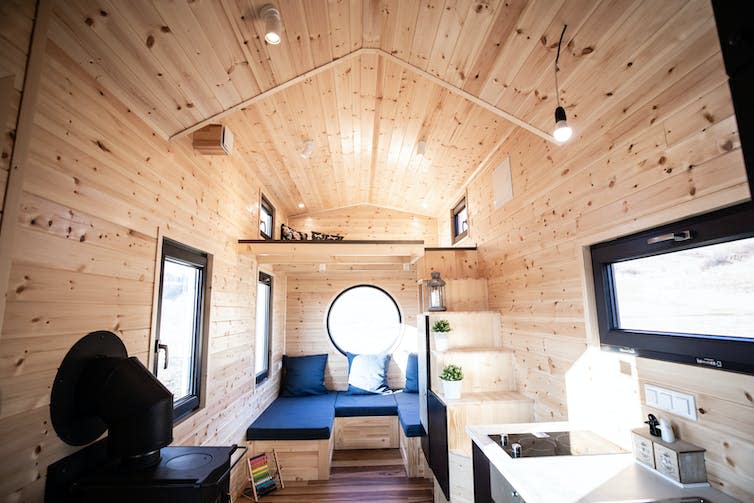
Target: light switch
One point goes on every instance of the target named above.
(665, 401)
(651, 396)
(675, 402)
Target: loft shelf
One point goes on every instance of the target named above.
(328, 252)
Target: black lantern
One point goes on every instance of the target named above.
(436, 293)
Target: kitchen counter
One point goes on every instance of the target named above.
(579, 479)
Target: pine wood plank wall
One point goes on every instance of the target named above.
(658, 154)
(369, 222)
(309, 297)
(15, 33)
(99, 185)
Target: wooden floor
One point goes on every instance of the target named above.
(374, 475)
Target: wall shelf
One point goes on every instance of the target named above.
(333, 252)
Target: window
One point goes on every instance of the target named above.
(180, 318)
(683, 292)
(266, 219)
(459, 220)
(364, 319)
(264, 327)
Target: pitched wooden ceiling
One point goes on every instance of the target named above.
(402, 68)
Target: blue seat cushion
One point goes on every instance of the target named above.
(365, 405)
(408, 413)
(412, 374)
(304, 375)
(295, 418)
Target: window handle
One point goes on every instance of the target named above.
(672, 236)
(165, 347)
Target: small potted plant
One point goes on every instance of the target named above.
(440, 330)
(451, 381)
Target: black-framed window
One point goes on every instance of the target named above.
(263, 335)
(683, 292)
(364, 319)
(266, 218)
(179, 354)
(459, 220)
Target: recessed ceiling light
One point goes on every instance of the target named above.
(272, 24)
(300, 205)
(308, 149)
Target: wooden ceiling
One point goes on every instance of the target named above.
(404, 71)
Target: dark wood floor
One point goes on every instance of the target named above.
(359, 476)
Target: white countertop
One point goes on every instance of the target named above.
(579, 479)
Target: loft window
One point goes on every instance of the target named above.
(459, 220)
(364, 319)
(683, 292)
(264, 327)
(178, 347)
(266, 218)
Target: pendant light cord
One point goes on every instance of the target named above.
(560, 42)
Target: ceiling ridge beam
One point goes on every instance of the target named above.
(357, 205)
(373, 51)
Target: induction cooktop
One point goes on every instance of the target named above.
(558, 443)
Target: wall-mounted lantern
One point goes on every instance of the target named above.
(436, 293)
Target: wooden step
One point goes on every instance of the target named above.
(366, 457)
(485, 369)
(484, 408)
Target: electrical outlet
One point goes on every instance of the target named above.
(675, 402)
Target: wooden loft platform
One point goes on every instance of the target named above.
(349, 254)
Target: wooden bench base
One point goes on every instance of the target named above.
(299, 459)
(413, 457)
(366, 432)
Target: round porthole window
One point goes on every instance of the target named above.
(364, 319)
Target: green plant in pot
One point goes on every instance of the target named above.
(451, 377)
(440, 329)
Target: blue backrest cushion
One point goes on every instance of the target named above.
(412, 374)
(304, 375)
(367, 374)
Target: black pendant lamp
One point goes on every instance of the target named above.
(562, 132)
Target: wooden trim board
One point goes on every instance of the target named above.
(378, 52)
(27, 107)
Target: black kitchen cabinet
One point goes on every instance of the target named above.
(481, 468)
(437, 417)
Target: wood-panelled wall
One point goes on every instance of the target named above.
(16, 23)
(661, 153)
(309, 297)
(99, 187)
(369, 222)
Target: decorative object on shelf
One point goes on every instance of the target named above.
(264, 475)
(451, 377)
(436, 293)
(440, 329)
(562, 132)
(322, 236)
(291, 234)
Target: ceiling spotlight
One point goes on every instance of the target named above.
(301, 205)
(421, 147)
(272, 24)
(308, 149)
(562, 132)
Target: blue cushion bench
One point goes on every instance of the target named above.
(365, 405)
(408, 413)
(295, 418)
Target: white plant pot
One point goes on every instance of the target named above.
(451, 390)
(441, 341)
